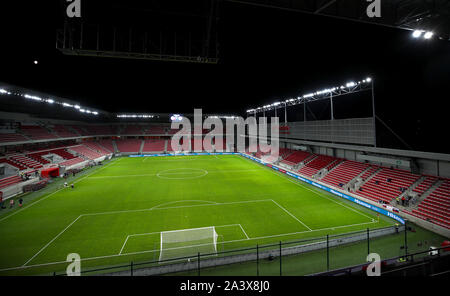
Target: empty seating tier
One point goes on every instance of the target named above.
(71, 162)
(156, 145)
(129, 145)
(97, 147)
(387, 184)
(296, 157)
(12, 137)
(318, 163)
(86, 152)
(9, 181)
(344, 172)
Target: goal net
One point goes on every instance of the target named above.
(188, 242)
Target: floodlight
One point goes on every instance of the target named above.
(428, 35)
(350, 84)
(368, 79)
(2, 91)
(95, 113)
(77, 107)
(417, 33)
(50, 101)
(35, 62)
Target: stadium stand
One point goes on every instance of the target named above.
(37, 156)
(79, 129)
(9, 181)
(387, 184)
(425, 185)
(315, 165)
(13, 163)
(155, 130)
(128, 145)
(99, 130)
(107, 144)
(36, 132)
(154, 145)
(296, 157)
(132, 130)
(344, 173)
(97, 147)
(26, 161)
(86, 152)
(436, 206)
(71, 162)
(11, 137)
(64, 132)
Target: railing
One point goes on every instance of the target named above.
(325, 249)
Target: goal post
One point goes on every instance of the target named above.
(187, 242)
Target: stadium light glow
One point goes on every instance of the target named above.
(77, 107)
(428, 35)
(35, 98)
(417, 33)
(50, 101)
(352, 86)
(133, 115)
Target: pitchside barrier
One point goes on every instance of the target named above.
(257, 253)
(339, 193)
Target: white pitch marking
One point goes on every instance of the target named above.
(244, 231)
(291, 215)
(123, 246)
(298, 183)
(52, 240)
(152, 251)
(44, 198)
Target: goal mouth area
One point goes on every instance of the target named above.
(187, 243)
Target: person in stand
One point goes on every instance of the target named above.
(11, 203)
(403, 200)
(20, 202)
(1, 202)
(72, 186)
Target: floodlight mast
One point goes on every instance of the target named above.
(330, 93)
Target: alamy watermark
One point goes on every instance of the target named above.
(262, 136)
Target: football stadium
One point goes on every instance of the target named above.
(182, 140)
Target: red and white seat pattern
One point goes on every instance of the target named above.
(155, 130)
(36, 132)
(86, 152)
(379, 188)
(132, 130)
(12, 137)
(64, 132)
(71, 162)
(154, 145)
(13, 163)
(97, 147)
(9, 181)
(318, 163)
(296, 157)
(26, 161)
(129, 145)
(344, 172)
(436, 206)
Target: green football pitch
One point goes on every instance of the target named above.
(117, 212)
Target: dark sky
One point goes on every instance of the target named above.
(266, 55)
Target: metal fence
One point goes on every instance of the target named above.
(283, 258)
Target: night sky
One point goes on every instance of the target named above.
(266, 55)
